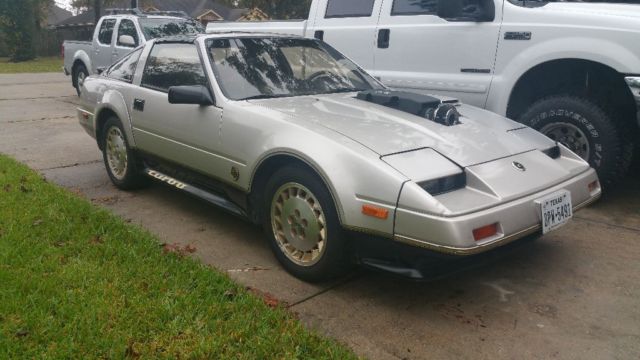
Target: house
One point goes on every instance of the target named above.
(56, 15)
(204, 11)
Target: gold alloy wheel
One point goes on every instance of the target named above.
(299, 224)
(116, 149)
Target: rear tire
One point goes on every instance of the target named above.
(302, 225)
(80, 73)
(585, 128)
(121, 163)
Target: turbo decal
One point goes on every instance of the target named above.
(166, 179)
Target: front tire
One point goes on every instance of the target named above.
(80, 73)
(120, 161)
(303, 227)
(586, 129)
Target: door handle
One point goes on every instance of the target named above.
(138, 104)
(384, 37)
(319, 35)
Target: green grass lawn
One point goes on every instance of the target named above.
(78, 282)
(39, 65)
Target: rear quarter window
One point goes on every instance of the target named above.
(106, 31)
(349, 8)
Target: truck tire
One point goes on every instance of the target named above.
(302, 225)
(80, 73)
(586, 129)
(121, 163)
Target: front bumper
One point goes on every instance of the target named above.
(517, 219)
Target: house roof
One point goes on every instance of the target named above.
(193, 8)
(56, 14)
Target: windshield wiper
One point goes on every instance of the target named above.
(344, 90)
(265, 96)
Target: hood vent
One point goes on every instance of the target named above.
(428, 107)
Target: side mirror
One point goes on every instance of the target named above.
(454, 11)
(126, 40)
(194, 95)
(100, 70)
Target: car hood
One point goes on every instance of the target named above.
(481, 137)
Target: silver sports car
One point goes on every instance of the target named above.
(289, 133)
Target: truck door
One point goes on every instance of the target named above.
(103, 40)
(125, 27)
(349, 26)
(419, 51)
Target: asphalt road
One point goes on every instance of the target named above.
(574, 294)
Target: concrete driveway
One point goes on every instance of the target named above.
(573, 294)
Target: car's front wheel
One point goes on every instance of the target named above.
(120, 161)
(303, 226)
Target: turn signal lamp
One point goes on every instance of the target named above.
(485, 232)
(376, 212)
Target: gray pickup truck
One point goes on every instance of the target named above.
(117, 35)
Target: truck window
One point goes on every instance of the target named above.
(154, 28)
(173, 65)
(106, 31)
(349, 8)
(125, 68)
(430, 7)
(127, 27)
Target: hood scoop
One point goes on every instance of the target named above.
(428, 107)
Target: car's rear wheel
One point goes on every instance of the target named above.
(120, 161)
(586, 129)
(303, 226)
(80, 74)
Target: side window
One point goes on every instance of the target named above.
(173, 65)
(414, 7)
(349, 8)
(106, 31)
(430, 7)
(127, 27)
(125, 68)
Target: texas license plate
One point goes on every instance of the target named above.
(556, 209)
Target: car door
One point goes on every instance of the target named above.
(103, 41)
(125, 27)
(349, 26)
(419, 51)
(184, 134)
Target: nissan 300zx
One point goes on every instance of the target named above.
(290, 134)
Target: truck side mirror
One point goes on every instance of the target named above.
(126, 40)
(454, 11)
(193, 95)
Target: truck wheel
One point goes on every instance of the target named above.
(585, 129)
(303, 227)
(80, 73)
(122, 166)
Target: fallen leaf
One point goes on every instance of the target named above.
(37, 222)
(230, 294)
(190, 249)
(22, 333)
(268, 299)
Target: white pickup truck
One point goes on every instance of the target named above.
(117, 35)
(570, 69)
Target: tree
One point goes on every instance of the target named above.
(19, 23)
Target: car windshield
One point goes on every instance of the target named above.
(157, 28)
(255, 68)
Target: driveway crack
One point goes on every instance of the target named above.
(629, 228)
(338, 284)
(70, 165)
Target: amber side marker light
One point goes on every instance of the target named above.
(485, 232)
(375, 212)
(593, 186)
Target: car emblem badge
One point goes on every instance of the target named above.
(519, 166)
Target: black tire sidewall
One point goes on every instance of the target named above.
(605, 143)
(335, 260)
(80, 68)
(132, 179)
